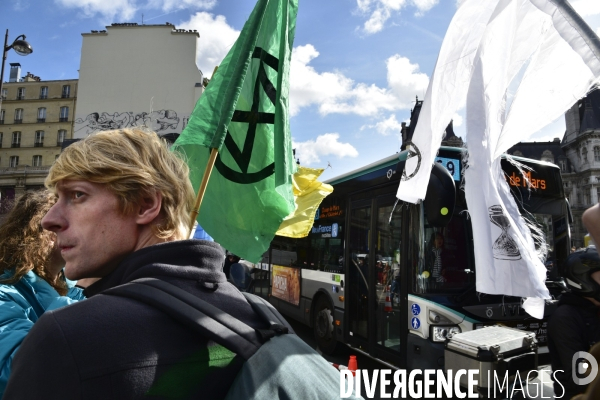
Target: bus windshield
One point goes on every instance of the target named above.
(445, 262)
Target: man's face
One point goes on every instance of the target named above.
(93, 236)
(439, 241)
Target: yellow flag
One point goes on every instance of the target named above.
(308, 194)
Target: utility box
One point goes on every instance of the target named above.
(493, 351)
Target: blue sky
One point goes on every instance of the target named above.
(356, 68)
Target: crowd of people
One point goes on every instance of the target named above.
(116, 210)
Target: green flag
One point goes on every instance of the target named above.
(244, 113)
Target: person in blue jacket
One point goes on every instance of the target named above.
(31, 277)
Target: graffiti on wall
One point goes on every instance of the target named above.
(161, 121)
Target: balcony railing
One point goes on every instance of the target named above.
(43, 96)
(41, 119)
(59, 144)
(18, 121)
(38, 144)
(65, 95)
(63, 119)
(15, 145)
(22, 169)
(1, 122)
(21, 97)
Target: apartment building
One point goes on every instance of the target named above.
(36, 116)
(137, 75)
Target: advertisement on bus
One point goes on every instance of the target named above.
(286, 284)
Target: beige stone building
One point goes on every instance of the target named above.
(36, 117)
(577, 155)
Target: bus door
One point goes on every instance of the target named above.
(388, 328)
(373, 277)
(358, 274)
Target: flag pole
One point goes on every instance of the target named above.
(209, 167)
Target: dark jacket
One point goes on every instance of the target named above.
(573, 327)
(109, 347)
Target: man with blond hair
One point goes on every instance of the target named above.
(122, 213)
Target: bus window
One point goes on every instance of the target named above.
(358, 271)
(446, 262)
(326, 254)
(387, 288)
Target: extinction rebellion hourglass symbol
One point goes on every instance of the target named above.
(505, 248)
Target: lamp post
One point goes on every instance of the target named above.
(20, 46)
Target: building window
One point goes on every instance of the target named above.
(563, 165)
(18, 115)
(14, 161)
(586, 196)
(62, 134)
(41, 114)
(16, 139)
(596, 153)
(1, 138)
(66, 91)
(4, 94)
(578, 197)
(64, 114)
(39, 139)
(548, 156)
(37, 161)
(1, 116)
(584, 154)
(21, 93)
(44, 92)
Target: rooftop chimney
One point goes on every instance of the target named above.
(15, 72)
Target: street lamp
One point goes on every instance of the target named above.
(20, 46)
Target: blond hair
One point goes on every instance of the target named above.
(133, 164)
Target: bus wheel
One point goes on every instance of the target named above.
(323, 326)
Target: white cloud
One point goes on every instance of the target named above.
(169, 5)
(586, 8)
(333, 92)
(20, 5)
(124, 10)
(379, 11)
(386, 127)
(216, 38)
(311, 151)
(423, 6)
(108, 9)
(405, 80)
(457, 120)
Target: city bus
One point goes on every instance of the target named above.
(364, 275)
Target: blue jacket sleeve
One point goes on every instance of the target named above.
(16, 320)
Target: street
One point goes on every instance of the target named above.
(341, 356)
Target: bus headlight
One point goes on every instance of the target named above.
(439, 333)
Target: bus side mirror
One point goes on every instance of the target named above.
(440, 198)
(569, 212)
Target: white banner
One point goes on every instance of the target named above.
(531, 62)
(446, 92)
